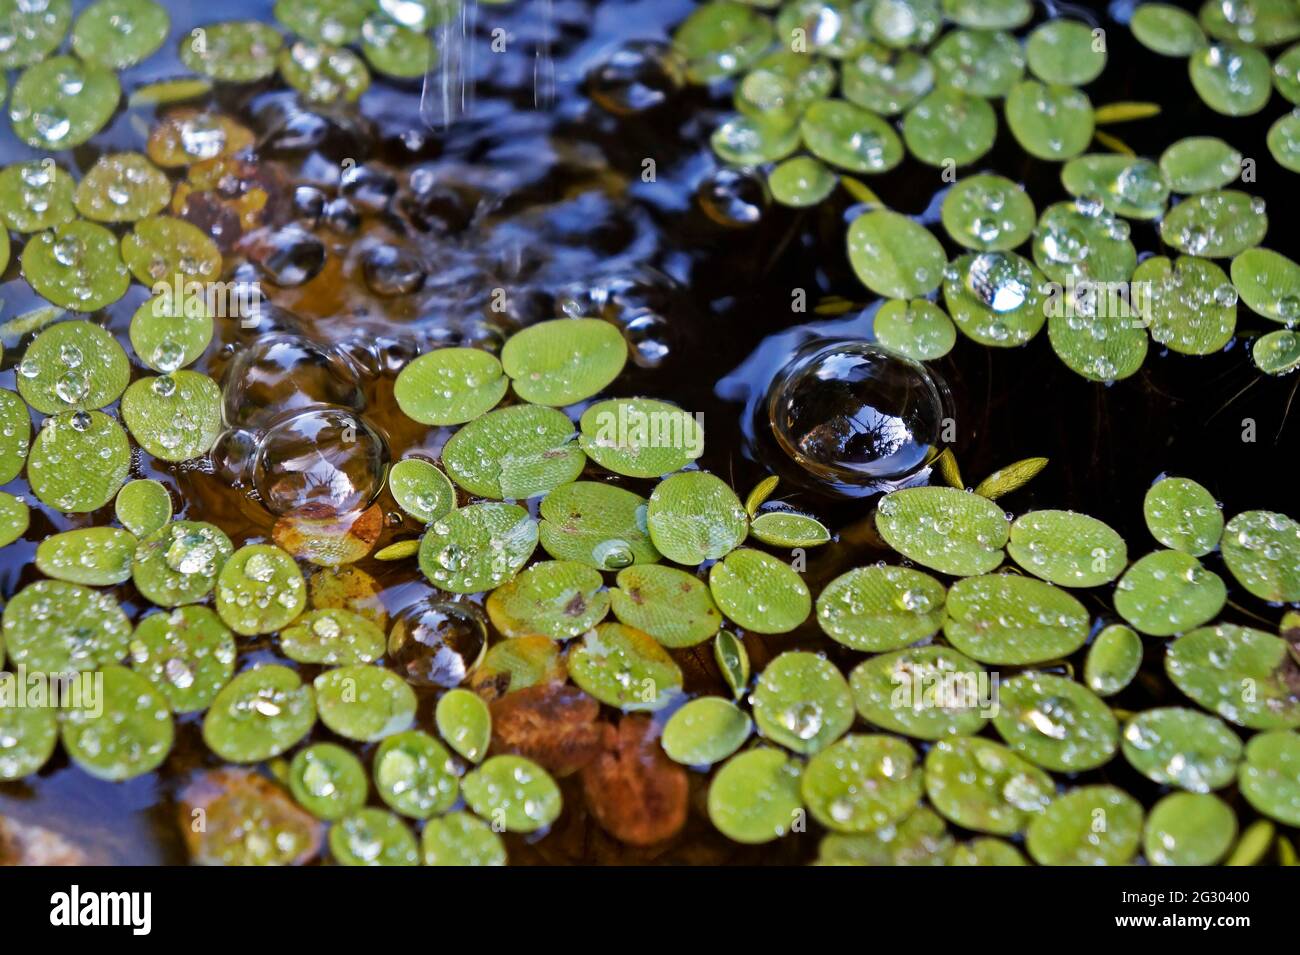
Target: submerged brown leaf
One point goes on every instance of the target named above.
(637, 794)
(21, 844)
(552, 724)
(238, 817)
(328, 540)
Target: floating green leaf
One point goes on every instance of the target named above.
(415, 775)
(1113, 660)
(918, 329)
(514, 793)
(1168, 592)
(259, 714)
(802, 702)
(624, 667)
(894, 256)
(1269, 778)
(1261, 23)
(1283, 141)
(325, 21)
(420, 489)
(179, 562)
(174, 417)
(596, 524)
(372, 836)
(706, 731)
(120, 33)
(1066, 548)
(759, 592)
(881, 608)
(754, 797)
(1183, 516)
(1091, 825)
(1200, 164)
(1049, 122)
(988, 14)
(15, 517)
(516, 452)
(77, 266)
(28, 735)
(995, 298)
(849, 137)
(73, 366)
(234, 51)
(35, 196)
(1175, 746)
(988, 213)
(1066, 52)
(328, 781)
(168, 334)
(56, 627)
(164, 249)
(755, 140)
(1009, 619)
(322, 73)
(555, 598)
(465, 722)
(979, 62)
(1134, 188)
(950, 127)
(1080, 240)
(394, 50)
(61, 102)
(983, 786)
(925, 692)
(364, 703)
(640, 437)
(720, 39)
(920, 839)
(459, 839)
(1262, 549)
(98, 556)
(36, 30)
(1188, 305)
(673, 606)
(733, 660)
(126, 733)
(1166, 29)
(801, 181)
(78, 436)
(477, 547)
(260, 590)
(1231, 78)
(1215, 224)
(694, 516)
(1056, 723)
(334, 637)
(1246, 676)
(450, 386)
(186, 653)
(943, 528)
(886, 81)
(1189, 829)
(563, 360)
(1269, 283)
(862, 783)
(1277, 353)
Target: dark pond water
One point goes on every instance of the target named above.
(549, 203)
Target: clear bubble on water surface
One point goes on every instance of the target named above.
(437, 643)
(281, 373)
(320, 463)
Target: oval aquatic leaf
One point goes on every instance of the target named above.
(514, 793)
(920, 839)
(1269, 283)
(1231, 78)
(128, 732)
(1113, 660)
(75, 437)
(56, 627)
(625, 668)
(1134, 188)
(322, 73)
(802, 702)
(943, 528)
(640, 437)
(1081, 240)
(1066, 52)
(168, 334)
(755, 797)
(1067, 548)
(979, 62)
(721, 38)
(1246, 676)
(477, 547)
(759, 592)
(1189, 829)
(596, 524)
(120, 33)
(563, 360)
(1168, 592)
(849, 137)
(673, 606)
(186, 653)
(1049, 122)
(1166, 29)
(789, 529)
(1183, 515)
(983, 786)
(1215, 224)
(927, 692)
(1009, 619)
(801, 181)
(988, 213)
(35, 196)
(179, 562)
(995, 298)
(465, 722)
(918, 329)
(259, 714)
(61, 102)
(415, 775)
(334, 637)
(174, 417)
(73, 366)
(1068, 832)
(862, 783)
(459, 839)
(1262, 549)
(164, 249)
(15, 435)
(1283, 141)
(1277, 353)
(1200, 164)
(706, 731)
(364, 703)
(15, 517)
(28, 735)
(894, 256)
(755, 140)
(77, 266)
(1056, 723)
(1175, 746)
(420, 489)
(450, 386)
(881, 608)
(732, 658)
(260, 590)
(35, 29)
(1269, 778)
(694, 516)
(98, 556)
(328, 781)
(1188, 305)
(372, 836)
(555, 598)
(394, 50)
(234, 51)
(516, 452)
(948, 127)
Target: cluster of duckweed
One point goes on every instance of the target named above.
(921, 80)
(593, 588)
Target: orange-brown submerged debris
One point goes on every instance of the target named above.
(636, 792)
